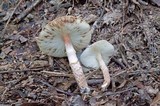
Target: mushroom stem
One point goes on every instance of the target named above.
(105, 71)
(75, 66)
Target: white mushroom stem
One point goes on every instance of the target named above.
(75, 65)
(105, 71)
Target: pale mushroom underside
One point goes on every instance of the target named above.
(88, 57)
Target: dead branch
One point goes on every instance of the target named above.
(27, 11)
(57, 74)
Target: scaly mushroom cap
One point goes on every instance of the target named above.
(88, 57)
(50, 40)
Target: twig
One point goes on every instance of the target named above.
(60, 62)
(136, 2)
(121, 52)
(49, 85)
(143, 2)
(118, 63)
(123, 15)
(57, 74)
(94, 26)
(142, 72)
(119, 73)
(91, 74)
(67, 93)
(119, 92)
(4, 72)
(12, 71)
(135, 72)
(95, 81)
(26, 12)
(4, 30)
(4, 92)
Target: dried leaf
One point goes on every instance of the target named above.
(5, 66)
(2, 55)
(7, 50)
(151, 90)
(77, 101)
(14, 37)
(122, 84)
(22, 39)
(156, 100)
(112, 17)
(56, 2)
(91, 18)
(10, 28)
(138, 84)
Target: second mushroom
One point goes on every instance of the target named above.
(98, 56)
(63, 37)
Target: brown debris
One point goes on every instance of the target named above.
(30, 78)
(156, 100)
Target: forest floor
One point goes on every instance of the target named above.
(133, 27)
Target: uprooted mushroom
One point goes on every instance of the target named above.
(98, 56)
(63, 37)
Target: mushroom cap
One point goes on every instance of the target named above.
(88, 57)
(50, 40)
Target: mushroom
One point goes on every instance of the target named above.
(63, 37)
(98, 56)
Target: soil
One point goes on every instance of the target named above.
(30, 78)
